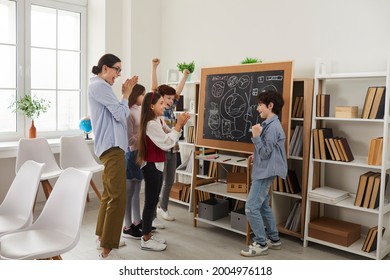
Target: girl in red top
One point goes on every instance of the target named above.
(155, 137)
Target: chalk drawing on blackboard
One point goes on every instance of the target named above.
(232, 81)
(218, 89)
(244, 82)
(231, 109)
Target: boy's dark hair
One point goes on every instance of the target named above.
(166, 90)
(270, 95)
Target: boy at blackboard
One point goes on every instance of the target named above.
(269, 160)
(171, 97)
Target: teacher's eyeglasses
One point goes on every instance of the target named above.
(118, 69)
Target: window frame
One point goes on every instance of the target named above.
(23, 61)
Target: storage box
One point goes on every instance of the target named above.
(346, 111)
(236, 182)
(238, 219)
(213, 209)
(334, 231)
(177, 190)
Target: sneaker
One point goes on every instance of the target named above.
(152, 245)
(139, 226)
(121, 244)
(132, 232)
(165, 214)
(111, 256)
(158, 239)
(274, 245)
(158, 224)
(255, 250)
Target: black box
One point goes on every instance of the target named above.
(213, 209)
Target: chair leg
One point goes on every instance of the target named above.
(96, 190)
(47, 188)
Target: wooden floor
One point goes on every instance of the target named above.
(205, 242)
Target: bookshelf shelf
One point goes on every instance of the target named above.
(283, 202)
(350, 89)
(215, 184)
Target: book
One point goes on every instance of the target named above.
(316, 144)
(368, 237)
(295, 107)
(375, 151)
(378, 151)
(325, 104)
(338, 147)
(294, 182)
(374, 200)
(370, 185)
(378, 104)
(329, 195)
(329, 147)
(368, 102)
(346, 149)
(334, 149)
(298, 148)
(322, 134)
(293, 140)
(363, 179)
(371, 152)
(371, 245)
(300, 108)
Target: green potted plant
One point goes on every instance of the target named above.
(190, 66)
(31, 107)
(249, 60)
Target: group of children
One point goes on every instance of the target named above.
(137, 139)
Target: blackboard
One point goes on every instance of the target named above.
(228, 103)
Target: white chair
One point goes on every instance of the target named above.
(38, 149)
(16, 208)
(74, 152)
(57, 229)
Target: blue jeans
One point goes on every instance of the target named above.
(259, 212)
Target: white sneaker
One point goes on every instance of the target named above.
(158, 224)
(113, 255)
(121, 243)
(158, 239)
(152, 245)
(165, 214)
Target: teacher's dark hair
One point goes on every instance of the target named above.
(107, 59)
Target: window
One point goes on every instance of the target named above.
(52, 68)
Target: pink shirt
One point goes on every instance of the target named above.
(133, 122)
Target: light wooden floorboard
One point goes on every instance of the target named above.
(205, 242)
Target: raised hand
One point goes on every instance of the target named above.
(128, 85)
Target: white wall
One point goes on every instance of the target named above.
(352, 34)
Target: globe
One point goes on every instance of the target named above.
(86, 126)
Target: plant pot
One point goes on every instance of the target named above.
(32, 132)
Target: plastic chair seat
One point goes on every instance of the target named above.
(50, 175)
(34, 242)
(57, 229)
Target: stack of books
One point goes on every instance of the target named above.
(374, 104)
(367, 194)
(323, 104)
(328, 195)
(296, 146)
(375, 151)
(328, 147)
(293, 222)
(298, 107)
(369, 244)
